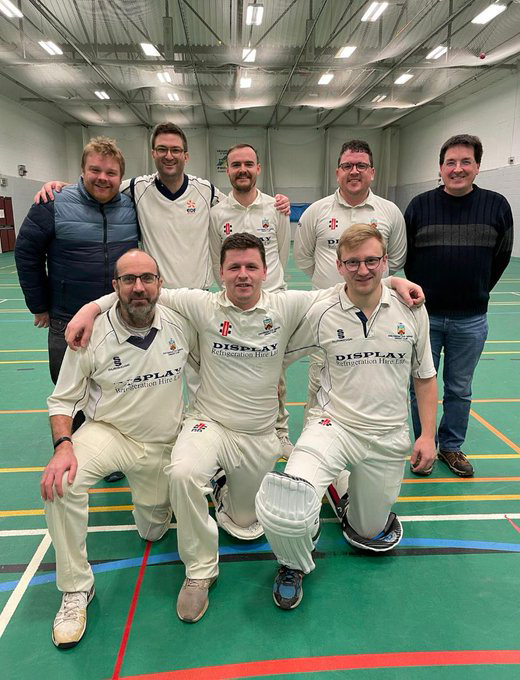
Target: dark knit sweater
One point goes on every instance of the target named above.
(458, 248)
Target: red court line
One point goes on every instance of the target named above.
(129, 618)
(336, 663)
(515, 526)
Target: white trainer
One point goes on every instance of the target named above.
(70, 622)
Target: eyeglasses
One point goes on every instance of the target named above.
(370, 263)
(163, 150)
(347, 167)
(130, 279)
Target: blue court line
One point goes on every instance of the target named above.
(132, 562)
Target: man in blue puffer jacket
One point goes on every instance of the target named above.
(66, 249)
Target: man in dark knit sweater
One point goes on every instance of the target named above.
(459, 243)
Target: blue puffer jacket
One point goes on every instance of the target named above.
(66, 249)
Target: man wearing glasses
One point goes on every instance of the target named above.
(128, 381)
(324, 221)
(372, 344)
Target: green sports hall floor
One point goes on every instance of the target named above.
(445, 604)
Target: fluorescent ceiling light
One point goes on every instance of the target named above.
(325, 79)
(245, 82)
(379, 98)
(150, 50)
(345, 52)
(101, 94)
(437, 52)
(374, 11)
(403, 79)
(164, 77)
(10, 10)
(254, 15)
(489, 13)
(50, 47)
(248, 54)
(173, 96)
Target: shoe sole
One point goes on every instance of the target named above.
(68, 645)
(459, 473)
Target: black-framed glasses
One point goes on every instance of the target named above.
(174, 150)
(130, 279)
(361, 167)
(370, 263)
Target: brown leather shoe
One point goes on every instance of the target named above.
(457, 462)
(193, 599)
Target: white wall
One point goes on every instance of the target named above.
(493, 115)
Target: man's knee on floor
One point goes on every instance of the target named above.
(152, 528)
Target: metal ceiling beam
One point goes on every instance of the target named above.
(404, 58)
(302, 50)
(195, 73)
(203, 21)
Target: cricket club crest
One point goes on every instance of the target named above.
(325, 421)
(265, 223)
(225, 328)
(373, 222)
(333, 223)
(228, 228)
(268, 324)
(401, 330)
(190, 206)
(172, 344)
(199, 427)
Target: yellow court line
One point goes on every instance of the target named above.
(99, 508)
(513, 351)
(496, 432)
(438, 499)
(27, 361)
(501, 342)
(454, 480)
(23, 350)
(23, 410)
(22, 469)
(24, 311)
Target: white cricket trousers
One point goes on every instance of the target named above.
(201, 449)
(100, 449)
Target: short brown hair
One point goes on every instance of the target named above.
(242, 146)
(359, 146)
(462, 140)
(242, 241)
(168, 129)
(104, 147)
(356, 235)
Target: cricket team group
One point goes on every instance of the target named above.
(120, 270)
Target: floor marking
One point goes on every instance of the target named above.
(504, 352)
(496, 432)
(454, 499)
(39, 512)
(505, 342)
(22, 469)
(512, 523)
(454, 480)
(32, 567)
(25, 410)
(250, 669)
(128, 624)
(23, 350)
(26, 361)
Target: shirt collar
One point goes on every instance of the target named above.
(369, 200)
(346, 303)
(224, 301)
(121, 331)
(233, 201)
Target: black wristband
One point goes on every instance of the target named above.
(61, 440)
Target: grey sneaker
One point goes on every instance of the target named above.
(193, 599)
(457, 462)
(287, 587)
(71, 620)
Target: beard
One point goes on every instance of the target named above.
(138, 315)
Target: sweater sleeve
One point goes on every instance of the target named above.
(32, 245)
(504, 244)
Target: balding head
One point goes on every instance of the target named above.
(137, 283)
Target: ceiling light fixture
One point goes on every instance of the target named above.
(403, 79)
(150, 50)
(173, 96)
(345, 52)
(374, 11)
(248, 54)
(50, 47)
(325, 79)
(489, 13)
(437, 52)
(164, 77)
(101, 94)
(245, 82)
(10, 10)
(254, 15)
(379, 98)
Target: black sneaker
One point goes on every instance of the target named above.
(457, 462)
(114, 476)
(287, 588)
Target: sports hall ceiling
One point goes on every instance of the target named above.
(203, 46)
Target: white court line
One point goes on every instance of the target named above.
(91, 530)
(4, 300)
(18, 592)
